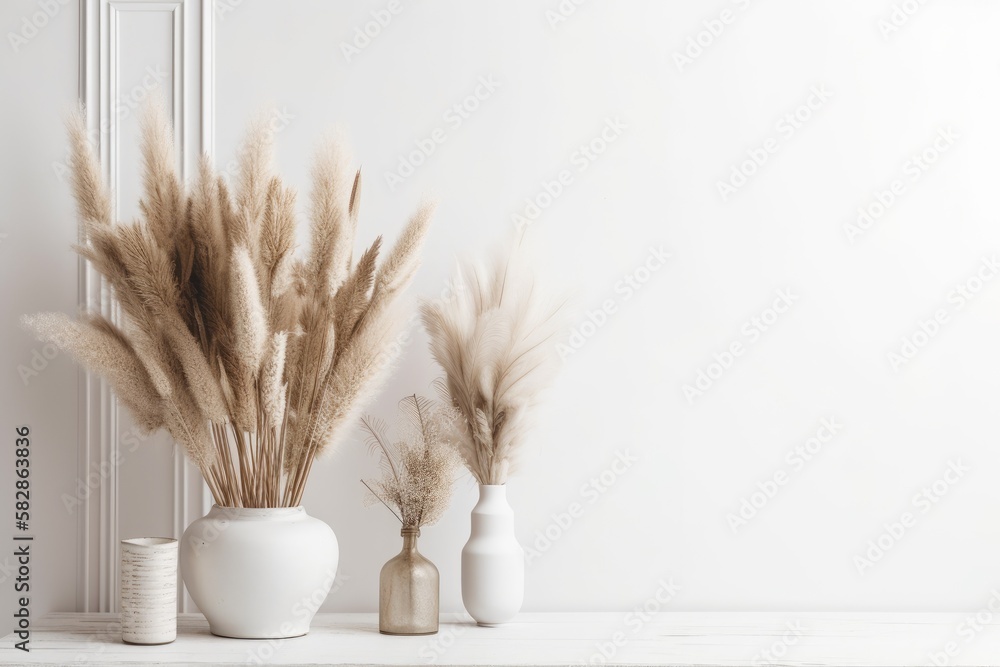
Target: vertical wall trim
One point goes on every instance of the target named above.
(208, 77)
(193, 96)
(98, 512)
(89, 63)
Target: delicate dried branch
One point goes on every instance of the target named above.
(417, 469)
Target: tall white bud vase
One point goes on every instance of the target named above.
(492, 560)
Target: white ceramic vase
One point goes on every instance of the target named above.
(492, 560)
(258, 573)
(148, 593)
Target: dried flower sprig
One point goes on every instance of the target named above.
(496, 344)
(252, 358)
(419, 466)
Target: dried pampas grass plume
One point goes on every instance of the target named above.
(102, 347)
(92, 195)
(332, 224)
(251, 357)
(162, 203)
(495, 342)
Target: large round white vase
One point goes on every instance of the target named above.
(258, 573)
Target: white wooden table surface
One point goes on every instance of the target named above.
(706, 638)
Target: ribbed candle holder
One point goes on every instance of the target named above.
(149, 590)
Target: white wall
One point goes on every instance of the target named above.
(38, 272)
(655, 185)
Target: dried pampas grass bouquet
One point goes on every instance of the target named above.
(252, 357)
(495, 342)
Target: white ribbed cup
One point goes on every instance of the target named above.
(149, 590)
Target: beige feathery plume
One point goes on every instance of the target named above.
(360, 370)
(494, 342)
(398, 269)
(249, 323)
(150, 280)
(354, 207)
(188, 426)
(162, 204)
(465, 347)
(352, 297)
(202, 382)
(249, 335)
(332, 229)
(151, 348)
(272, 379)
(252, 183)
(368, 356)
(104, 349)
(227, 214)
(210, 270)
(117, 260)
(314, 354)
(277, 242)
(206, 213)
(93, 198)
(285, 310)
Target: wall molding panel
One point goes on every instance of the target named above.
(171, 44)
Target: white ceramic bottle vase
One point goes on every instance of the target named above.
(492, 560)
(149, 590)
